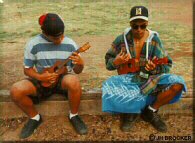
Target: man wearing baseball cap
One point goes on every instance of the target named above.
(41, 52)
(143, 85)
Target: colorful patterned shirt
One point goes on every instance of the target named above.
(155, 48)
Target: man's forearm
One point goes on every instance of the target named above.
(31, 73)
(110, 58)
(110, 65)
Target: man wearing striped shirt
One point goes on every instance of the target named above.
(41, 52)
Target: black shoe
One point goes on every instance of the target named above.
(127, 121)
(78, 125)
(152, 117)
(29, 127)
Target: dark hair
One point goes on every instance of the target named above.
(51, 24)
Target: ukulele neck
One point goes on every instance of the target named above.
(65, 61)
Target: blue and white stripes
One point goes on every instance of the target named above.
(41, 53)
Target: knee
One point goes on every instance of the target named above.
(72, 83)
(177, 87)
(16, 93)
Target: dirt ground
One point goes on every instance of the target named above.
(100, 128)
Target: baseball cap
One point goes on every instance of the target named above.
(52, 24)
(139, 12)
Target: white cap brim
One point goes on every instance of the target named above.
(139, 17)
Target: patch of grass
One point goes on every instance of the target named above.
(170, 31)
(169, 49)
(1, 27)
(19, 19)
(96, 17)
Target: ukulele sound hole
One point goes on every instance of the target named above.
(129, 65)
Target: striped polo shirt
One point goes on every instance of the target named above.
(42, 53)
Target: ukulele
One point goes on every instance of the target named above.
(60, 66)
(133, 65)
